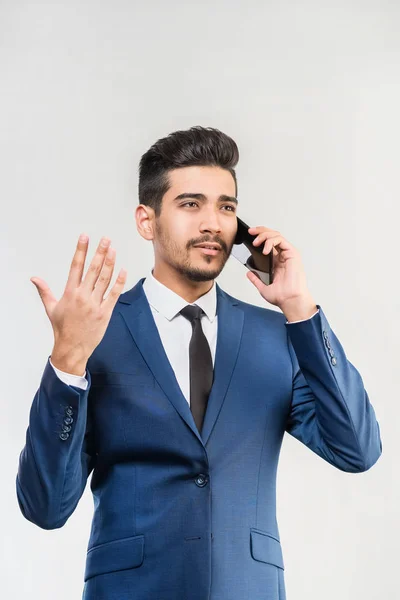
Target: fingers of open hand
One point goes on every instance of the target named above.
(78, 263)
(114, 293)
(95, 267)
(104, 276)
(98, 276)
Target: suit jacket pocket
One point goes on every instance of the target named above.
(126, 553)
(265, 548)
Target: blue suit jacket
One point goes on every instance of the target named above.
(179, 515)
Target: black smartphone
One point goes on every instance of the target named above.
(250, 256)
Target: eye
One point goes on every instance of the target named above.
(232, 208)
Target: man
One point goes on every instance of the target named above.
(177, 396)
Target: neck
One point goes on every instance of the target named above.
(186, 289)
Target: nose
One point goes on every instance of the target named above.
(210, 222)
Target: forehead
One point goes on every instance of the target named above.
(210, 181)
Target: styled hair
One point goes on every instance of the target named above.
(197, 146)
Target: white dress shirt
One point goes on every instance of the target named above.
(165, 306)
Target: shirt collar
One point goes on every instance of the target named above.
(169, 304)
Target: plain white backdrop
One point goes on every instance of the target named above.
(310, 91)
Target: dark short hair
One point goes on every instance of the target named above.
(197, 146)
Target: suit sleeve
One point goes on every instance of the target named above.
(58, 455)
(330, 410)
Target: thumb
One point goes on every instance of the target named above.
(45, 293)
(260, 285)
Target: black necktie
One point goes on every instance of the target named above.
(201, 367)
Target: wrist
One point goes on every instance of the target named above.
(68, 361)
(299, 309)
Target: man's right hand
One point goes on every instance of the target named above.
(80, 318)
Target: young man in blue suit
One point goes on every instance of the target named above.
(179, 412)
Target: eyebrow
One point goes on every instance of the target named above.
(203, 198)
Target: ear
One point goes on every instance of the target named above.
(144, 216)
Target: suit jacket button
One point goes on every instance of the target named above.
(68, 420)
(68, 411)
(64, 435)
(201, 480)
(333, 361)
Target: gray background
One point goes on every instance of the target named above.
(311, 93)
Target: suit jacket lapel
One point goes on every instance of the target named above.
(136, 312)
(230, 326)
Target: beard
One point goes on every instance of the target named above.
(179, 258)
(196, 273)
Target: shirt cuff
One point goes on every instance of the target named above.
(70, 379)
(302, 320)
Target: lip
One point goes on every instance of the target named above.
(208, 251)
(208, 244)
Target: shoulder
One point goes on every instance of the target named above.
(262, 313)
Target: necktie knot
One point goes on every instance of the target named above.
(192, 312)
